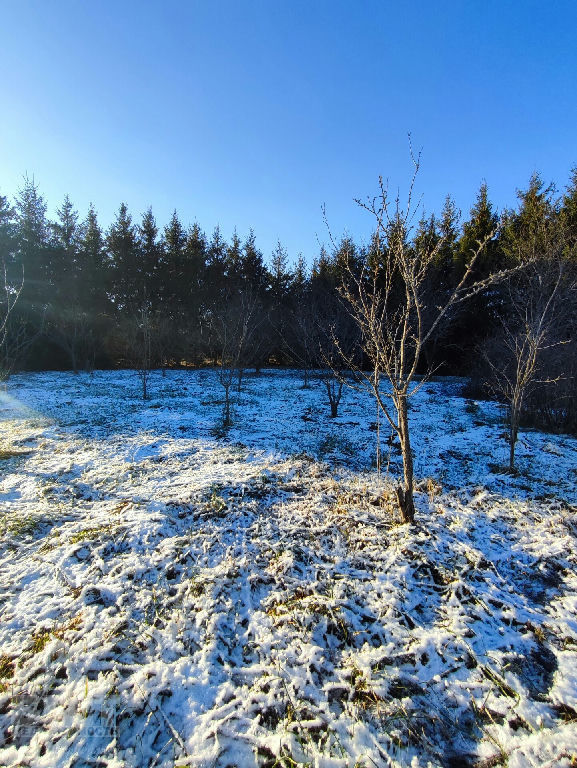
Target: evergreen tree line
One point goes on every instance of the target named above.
(138, 295)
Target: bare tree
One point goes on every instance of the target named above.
(71, 328)
(234, 326)
(14, 337)
(300, 337)
(397, 314)
(338, 341)
(138, 338)
(531, 325)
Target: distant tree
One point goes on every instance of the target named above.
(127, 277)
(196, 291)
(32, 237)
(338, 344)
(150, 256)
(449, 229)
(301, 336)
(234, 325)
(533, 325)
(233, 264)
(69, 323)
(535, 303)
(299, 277)
(138, 335)
(483, 221)
(94, 265)
(344, 260)
(568, 213)
(280, 276)
(253, 270)
(12, 329)
(216, 269)
(174, 241)
(527, 233)
(468, 325)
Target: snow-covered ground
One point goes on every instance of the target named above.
(176, 595)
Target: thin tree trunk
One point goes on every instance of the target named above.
(73, 359)
(405, 493)
(378, 441)
(513, 434)
(226, 420)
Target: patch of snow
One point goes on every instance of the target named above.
(176, 594)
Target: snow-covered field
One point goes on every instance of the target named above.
(173, 595)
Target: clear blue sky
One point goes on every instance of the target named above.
(254, 114)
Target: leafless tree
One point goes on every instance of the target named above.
(71, 328)
(138, 336)
(162, 339)
(301, 337)
(14, 337)
(397, 315)
(234, 325)
(338, 341)
(532, 325)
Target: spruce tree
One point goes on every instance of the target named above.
(7, 235)
(528, 231)
(234, 266)
(12, 328)
(253, 270)
(568, 213)
(478, 317)
(150, 251)
(174, 278)
(93, 265)
(33, 247)
(65, 274)
(216, 262)
(280, 277)
(128, 287)
(483, 221)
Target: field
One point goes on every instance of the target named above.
(177, 594)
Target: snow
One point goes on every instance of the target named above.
(176, 595)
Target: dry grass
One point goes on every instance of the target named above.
(12, 453)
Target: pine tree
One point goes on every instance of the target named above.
(345, 261)
(280, 277)
(528, 231)
(93, 265)
(195, 261)
(299, 279)
(33, 247)
(12, 329)
(234, 266)
(8, 243)
(476, 319)
(127, 280)
(70, 320)
(449, 232)
(482, 222)
(65, 273)
(253, 270)
(174, 279)
(216, 257)
(568, 212)
(150, 251)
(427, 234)
(66, 227)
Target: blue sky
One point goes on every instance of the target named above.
(254, 114)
